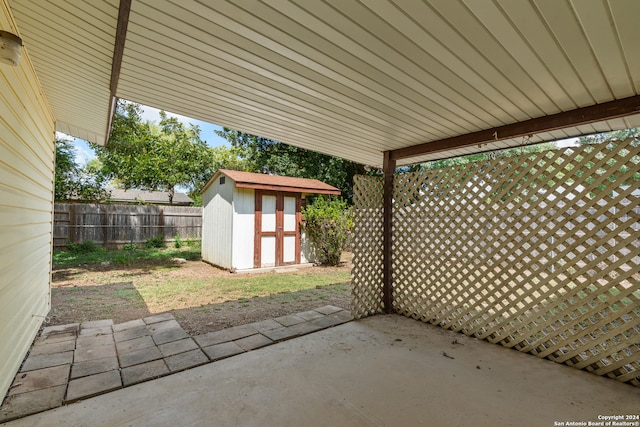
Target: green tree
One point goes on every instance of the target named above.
(328, 223)
(221, 158)
(509, 152)
(159, 157)
(75, 182)
(269, 156)
(610, 138)
(618, 135)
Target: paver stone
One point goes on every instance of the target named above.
(186, 360)
(289, 320)
(93, 384)
(145, 371)
(328, 309)
(119, 327)
(92, 367)
(20, 405)
(139, 356)
(175, 347)
(211, 338)
(220, 351)
(253, 342)
(54, 347)
(39, 379)
(169, 335)
(40, 361)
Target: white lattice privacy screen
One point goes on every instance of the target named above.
(538, 252)
(367, 242)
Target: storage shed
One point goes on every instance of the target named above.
(252, 220)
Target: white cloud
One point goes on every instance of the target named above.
(83, 152)
(153, 115)
(64, 136)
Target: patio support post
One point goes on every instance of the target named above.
(388, 167)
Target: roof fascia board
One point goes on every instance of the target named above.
(285, 188)
(580, 116)
(211, 181)
(124, 10)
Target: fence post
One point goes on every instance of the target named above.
(131, 243)
(71, 233)
(132, 222)
(105, 227)
(161, 220)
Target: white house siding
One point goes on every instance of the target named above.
(217, 223)
(27, 152)
(244, 203)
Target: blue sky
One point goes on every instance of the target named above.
(84, 153)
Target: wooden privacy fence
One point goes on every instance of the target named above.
(113, 225)
(538, 252)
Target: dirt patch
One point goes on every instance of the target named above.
(201, 297)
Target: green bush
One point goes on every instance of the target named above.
(82, 248)
(193, 243)
(328, 224)
(121, 258)
(130, 247)
(156, 242)
(177, 242)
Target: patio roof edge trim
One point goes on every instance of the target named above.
(124, 10)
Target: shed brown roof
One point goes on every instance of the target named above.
(277, 183)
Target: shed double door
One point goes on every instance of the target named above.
(277, 232)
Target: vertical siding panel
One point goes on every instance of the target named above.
(243, 228)
(217, 223)
(27, 153)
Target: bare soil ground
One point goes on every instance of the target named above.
(134, 291)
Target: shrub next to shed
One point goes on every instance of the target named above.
(328, 223)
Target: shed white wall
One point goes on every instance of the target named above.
(228, 227)
(27, 152)
(244, 206)
(217, 223)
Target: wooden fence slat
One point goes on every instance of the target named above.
(115, 224)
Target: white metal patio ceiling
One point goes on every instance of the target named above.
(344, 77)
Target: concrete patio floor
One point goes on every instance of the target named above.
(80, 360)
(380, 371)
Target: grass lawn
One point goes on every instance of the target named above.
(135, 284)
(180, 292)
(95, 255)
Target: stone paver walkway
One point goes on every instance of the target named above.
(72, 362)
